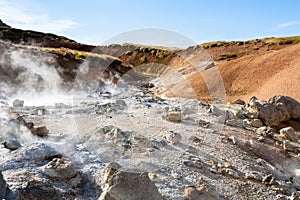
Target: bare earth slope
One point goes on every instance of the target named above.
(263, 75)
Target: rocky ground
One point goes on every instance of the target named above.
(130, 144)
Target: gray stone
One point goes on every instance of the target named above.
(278, 175)
(216, 110)
(203, 123)
(18, 103)
(121, 103)
(235, 122)
(265, 111)
(278, 109)
(265, 131)
(11, 144)
(254, 175)
(291, 105)
(232, 173)
(172, 137)
(36, 153)
(24, 184)
(289, 134)
(194, 162)
(60, 169)
(124, 184)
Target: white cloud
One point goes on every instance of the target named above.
(287, 24)
(17, 15)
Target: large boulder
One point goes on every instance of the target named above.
(34, 154)
(60, 169)
(290, 105)
(125, 184)
(26, 184)
(270, 114)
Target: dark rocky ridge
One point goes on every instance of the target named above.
(3, 24)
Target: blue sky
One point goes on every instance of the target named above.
(96, 21)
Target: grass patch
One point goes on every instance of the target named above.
(282, 40)
(143, 59)
(79, 56)
(213, 44)
(227, 56)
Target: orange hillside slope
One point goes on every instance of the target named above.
(264, 76)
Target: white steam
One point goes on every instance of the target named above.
(31, 76)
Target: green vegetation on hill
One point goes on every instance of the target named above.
(28, 37)
(18, 35)
(282, 40)
(269, 41)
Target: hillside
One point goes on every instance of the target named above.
(262, 67)
(263, 75)
(224, 51)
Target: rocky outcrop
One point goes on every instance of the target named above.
(36, 154)
(278, 109)
(24, 184)
(37, 171)
(18, 103)
(125, 184)
(290, 105)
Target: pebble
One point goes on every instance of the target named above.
(193, 163)
(232, 139)
(172, 137)
(254, 175)
(203, 123)
(232, 173)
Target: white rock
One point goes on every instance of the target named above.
(289, 134)
(232, 173)
(172, 137)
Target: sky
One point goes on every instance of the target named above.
(111, 21)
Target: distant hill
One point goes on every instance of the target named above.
(29, 37)
(224, 51)
(262, 67)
